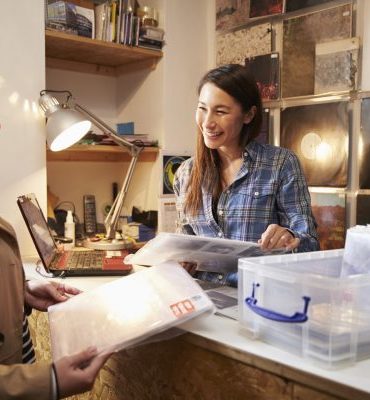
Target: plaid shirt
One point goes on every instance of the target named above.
(270, 188)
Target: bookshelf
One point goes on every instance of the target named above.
(77, 53)
(100, 153)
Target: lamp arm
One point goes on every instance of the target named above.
(134, 149)
(112, 218)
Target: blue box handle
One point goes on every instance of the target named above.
(297, 317)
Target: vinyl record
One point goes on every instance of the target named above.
(318, 135)
(170, 166)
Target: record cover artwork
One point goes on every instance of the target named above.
(170, 166)
(264, 135)
(336, 65)
(235, 47)
(363, 209)
(265, 69)
(293, 5)
(231, 14)
(300, 35)
(329, 210)
(364, 148)
(260, 8)
(318, 135)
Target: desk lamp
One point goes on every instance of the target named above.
(69, 122)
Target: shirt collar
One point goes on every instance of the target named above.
(252, 149)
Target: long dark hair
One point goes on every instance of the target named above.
(237, 82)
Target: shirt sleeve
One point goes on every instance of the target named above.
(294, 205)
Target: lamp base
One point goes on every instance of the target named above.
(107, 245)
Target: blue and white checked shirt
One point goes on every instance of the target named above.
(270, 188)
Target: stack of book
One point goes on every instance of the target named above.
(151, 37)
(116, 21)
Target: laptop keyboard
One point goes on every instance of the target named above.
(86, 259)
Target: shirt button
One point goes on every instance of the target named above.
(219, 234)
(256, 193)
(219, 277)
(220, 212)
(228, 191)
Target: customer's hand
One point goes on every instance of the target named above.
(42, 294)
(190, 267)
(77, 373)
(278, 237)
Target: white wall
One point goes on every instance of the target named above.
(22, 139)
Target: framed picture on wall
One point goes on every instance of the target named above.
(318, 134)
(170, 164)
(260, 8)
(230, 14)
(300, 35)
(329, 210)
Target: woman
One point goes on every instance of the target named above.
(235, 187)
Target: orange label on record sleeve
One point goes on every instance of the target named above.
(182, 308)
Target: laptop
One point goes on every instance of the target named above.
(67, 263)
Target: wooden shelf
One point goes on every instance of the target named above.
(100, 153)
(74, 52)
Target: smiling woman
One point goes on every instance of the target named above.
(235, 187)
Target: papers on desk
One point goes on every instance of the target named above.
(210, 254)
(126, 311)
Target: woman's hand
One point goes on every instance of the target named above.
(278, 237)
(189, 267)
(42, 294)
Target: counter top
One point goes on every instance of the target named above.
(225, 336)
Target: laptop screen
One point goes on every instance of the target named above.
(38, 228)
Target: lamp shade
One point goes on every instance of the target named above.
(64, 128)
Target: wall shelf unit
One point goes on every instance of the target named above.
(102, 153)
(77, 53)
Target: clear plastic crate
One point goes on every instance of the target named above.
(299, 303)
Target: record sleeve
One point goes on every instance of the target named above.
(363, 209)
(170, 164)
(318, 134)
(364, 148)
(235, 47)
(300, 35)
(336, 65)
(261, 8)
(264, 135)
(265, 69)
(293, 5)
(329, 210)
(230, 14)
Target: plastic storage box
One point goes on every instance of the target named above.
(300, 303)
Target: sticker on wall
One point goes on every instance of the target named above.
(300, 35)
(170, 165)
(318, 134)
(235, 47)
(329, 210)
(364, 145)
(265, 69)
(260, 8)
(230, 14)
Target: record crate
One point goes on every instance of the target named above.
(300, 303)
